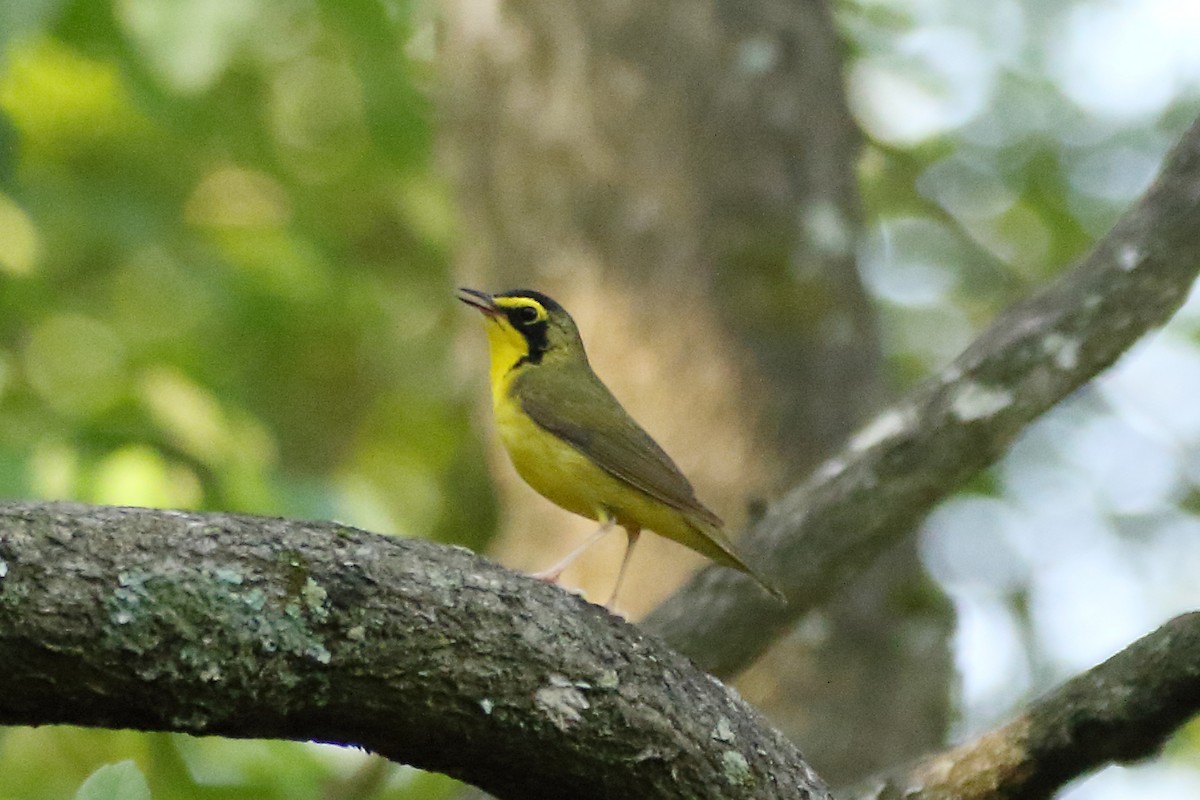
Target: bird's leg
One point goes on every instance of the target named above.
(632, 532)
(552, 575)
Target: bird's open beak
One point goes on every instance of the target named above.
(477, 299)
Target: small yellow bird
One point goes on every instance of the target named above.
(571, 440)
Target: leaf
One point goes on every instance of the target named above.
(120, 781)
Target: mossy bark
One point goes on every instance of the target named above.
(251, 627)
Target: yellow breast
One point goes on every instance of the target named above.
(567, 478)
(555, 469)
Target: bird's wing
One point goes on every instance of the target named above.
(581, 410)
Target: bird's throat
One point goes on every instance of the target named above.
(509, 351)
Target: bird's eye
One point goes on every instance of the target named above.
(527, 314)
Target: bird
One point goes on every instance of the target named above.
(572, 441)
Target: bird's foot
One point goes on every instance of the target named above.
(550, 576)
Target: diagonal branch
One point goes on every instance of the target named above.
(930, 443)
(1120, 711)
(251, 627)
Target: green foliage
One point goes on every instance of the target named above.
(224, 269)
(120, 781)
(224, 284)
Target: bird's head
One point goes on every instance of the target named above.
(525, 327)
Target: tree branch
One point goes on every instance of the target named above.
(926, 446)
(250, 627)
(1121, 711)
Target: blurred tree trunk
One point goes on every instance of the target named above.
(681, 177)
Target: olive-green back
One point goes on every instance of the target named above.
(572, 403)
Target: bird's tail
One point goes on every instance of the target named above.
(712, 542)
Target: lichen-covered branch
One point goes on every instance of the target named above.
(250, 627)
(1121, 711)
(947, 430)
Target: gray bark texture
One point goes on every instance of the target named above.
(1121, 711)
(251, 627)
(830, 529)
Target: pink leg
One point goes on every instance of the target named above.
(631, 533)
(552, 575)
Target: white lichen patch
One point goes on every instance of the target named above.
(255, 599)
(1063, 349)
(737, 769)
(561, 701)
(724, 731)
(975, 401)
(608, 679)
(443, 579)
(1129, 257)
(890, 423)
(319, 653)
(829, 469)
(229, 576)
(477, 580)
(487, 706)
(314, 597)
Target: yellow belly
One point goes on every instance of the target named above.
(566, 477)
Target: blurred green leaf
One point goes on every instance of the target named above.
(121, 781)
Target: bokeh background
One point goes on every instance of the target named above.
(229, 235)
